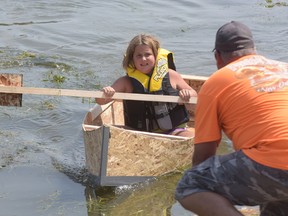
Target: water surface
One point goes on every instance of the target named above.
(42, 152)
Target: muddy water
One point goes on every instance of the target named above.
(79, 45)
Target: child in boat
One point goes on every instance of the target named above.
(151, 70)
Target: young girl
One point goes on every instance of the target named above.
(151, 70)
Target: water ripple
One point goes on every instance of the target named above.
(26, 23)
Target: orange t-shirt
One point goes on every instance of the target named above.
(248, 101)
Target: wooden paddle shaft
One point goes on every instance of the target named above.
(93, 94)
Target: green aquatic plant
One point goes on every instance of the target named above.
(158, 195)
(55, 78)
(97, 200)
(88, 100)
(57, 65)
(11, 60)
(48, 105)
(271, 4)
(58, 79)
(26, 55)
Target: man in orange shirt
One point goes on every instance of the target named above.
(247, 99)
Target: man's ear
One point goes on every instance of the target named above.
(219, 60)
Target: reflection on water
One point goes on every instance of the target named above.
(26, 23)
(149, 198)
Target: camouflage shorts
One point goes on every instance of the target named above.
(241, 180)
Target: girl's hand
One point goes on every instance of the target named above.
(108, 91)
(186, 94)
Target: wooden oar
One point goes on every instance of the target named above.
(93, 94)
(11, 91)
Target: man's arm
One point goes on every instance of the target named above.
(203, 151)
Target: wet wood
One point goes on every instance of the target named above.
(12, 98)
(92, 94)
(11, 91)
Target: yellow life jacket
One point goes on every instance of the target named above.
(154, 116)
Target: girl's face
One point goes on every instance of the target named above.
(144, 59)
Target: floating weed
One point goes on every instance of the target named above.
(271, 4)
(157, 194)
(97, 86)
(88, 100)
(58, 65)
(97, 200)
(9, 60)
(55, 78)
(58, 79)
(48, 105)
(26, 55)
(97, 205)
(138, 213)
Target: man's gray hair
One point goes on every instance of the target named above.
(228, 56)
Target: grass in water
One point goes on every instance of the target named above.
(271, 4)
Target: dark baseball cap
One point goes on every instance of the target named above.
(233, 36)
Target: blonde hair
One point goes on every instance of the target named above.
(141, 39)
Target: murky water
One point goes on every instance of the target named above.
(42, 164)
